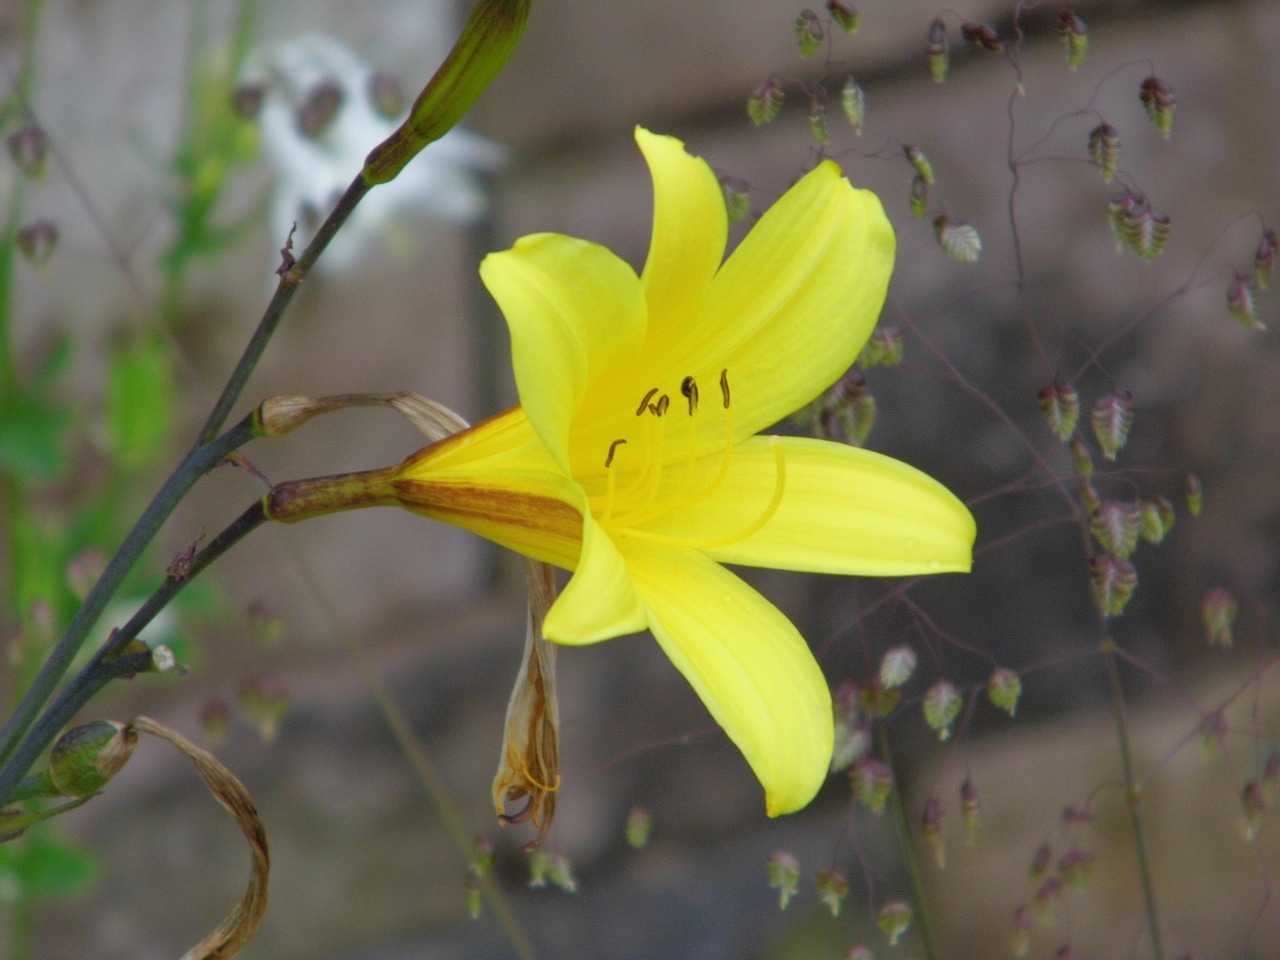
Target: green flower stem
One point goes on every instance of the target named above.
(109, 662)
(1133, 798)
(909, 858)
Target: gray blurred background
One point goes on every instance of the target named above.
(363, 867)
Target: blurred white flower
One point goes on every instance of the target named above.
(322, 110)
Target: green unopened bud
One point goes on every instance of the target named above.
(845, 14)
(488, 40)
(86, 757)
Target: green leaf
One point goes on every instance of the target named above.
(140, 402)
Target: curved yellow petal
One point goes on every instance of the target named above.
(690, 226)
(843, 510)
(791, 308)
(600, 600)
(749, 665)
(573, 308)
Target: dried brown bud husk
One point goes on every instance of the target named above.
(529, 767)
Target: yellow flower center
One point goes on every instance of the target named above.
(643, 497)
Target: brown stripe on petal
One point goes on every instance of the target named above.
(482, 508)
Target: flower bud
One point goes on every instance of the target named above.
(784, 876)
(488, 40)
(86, 757)
(853, 101)
(37, 242)
(29, 148)
(1104, 150)
(833, 888)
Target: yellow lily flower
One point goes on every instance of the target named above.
(633, 459)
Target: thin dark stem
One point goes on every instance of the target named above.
(909, 858)
(108, 664)
(1133, 797)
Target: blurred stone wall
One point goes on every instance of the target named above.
(363, 867)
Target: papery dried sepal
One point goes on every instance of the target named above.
(958, 240)
(845, 15)
(1158, 100)
(1219, 611)
(931, 830)
(853, 101)
(832, 889)
(1075, 38)
(1242, 304)
(937, 51)
(897, 666)
(1004, 689)
(941, 706)
(818, 118)
(1195, 495)
(884, 348)
(919, 196)
(1060, 405)
(809, 32)
(894, 918)
(1116, 525)
(766, 102)
(1264, 259)
(982, 35)
(1112, 418)
(1104, 150)
(1137, 226)
(1114, 580)
(1157, 518)
(784, 876)
(872, 782)
(916, 157)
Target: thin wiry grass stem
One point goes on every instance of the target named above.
(903, 828)
(1133, 797)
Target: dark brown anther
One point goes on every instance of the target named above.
(608, 461)
(521, 815)
(660, 408)
(689, 388)
(644, 403)
(724, 387)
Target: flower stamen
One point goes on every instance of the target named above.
(689, 388)
(644, 401)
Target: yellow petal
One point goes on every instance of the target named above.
(844, 510)
(749, 665)
(790, 310)
(573, 308)
(600, 601)
(690, 226)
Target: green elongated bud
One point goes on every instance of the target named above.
(86, 757)
(488, 40)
